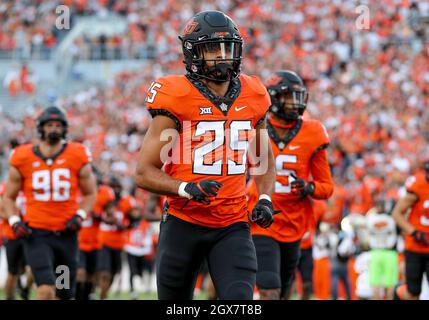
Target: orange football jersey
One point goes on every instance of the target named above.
(139, 240)
(212, 142)
(302, 152)
(51, 190)
(419, 215)
(109, 234)
(88, 235)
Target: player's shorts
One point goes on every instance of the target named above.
(15, 256)
(53, 258)
(383, 268)
(277, 262)
(305, 265)
(109, 260)
(183, 246)
(88, 261)
(415, 265)
(139, 264)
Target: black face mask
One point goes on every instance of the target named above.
(117, 195)
(54, 137)
(221, 72)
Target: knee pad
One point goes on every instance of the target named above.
(268, 280)
(239, 290)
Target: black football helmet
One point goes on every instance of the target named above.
(290, 85)
(212, 32)
(49, 114)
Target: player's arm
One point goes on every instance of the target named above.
(400, 210)
(88, 189)
(150, 176)
(322, 178)
(264, 181)
(13, 186)
(263, 211)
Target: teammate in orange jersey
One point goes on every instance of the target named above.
(139, 247)
(89, 244)
(16, 261)
(114, 222)
(299, 147)
(51, 174)
(416, 230)
(212, 111)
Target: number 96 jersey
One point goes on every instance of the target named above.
(50, 186)
(212, 144)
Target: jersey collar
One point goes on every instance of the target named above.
(49, 160)
(222, 103)
(282, 143)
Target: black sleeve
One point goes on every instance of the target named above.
(163, 112)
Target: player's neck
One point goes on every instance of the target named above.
(281, 127)
(49, 150)
(218, 88)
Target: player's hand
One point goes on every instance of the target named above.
(301, 188)
(75, 222)
(20, 228)
(263, 213)
(202, 191)
(421, 237)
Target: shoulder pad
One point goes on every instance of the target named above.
(174, 85)
(254, 84)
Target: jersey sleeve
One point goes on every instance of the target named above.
(257, 92)
(163, 98)
(412, 185)
(322, 178)
(321, 135)
(17, 158)
(84, 155)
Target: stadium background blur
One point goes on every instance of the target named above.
(370, 87)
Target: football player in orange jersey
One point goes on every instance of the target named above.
(16, 261)
(416, 230)
(212, 110)
(89, 244)
(114, 222)
(299, 147)
(51, 174)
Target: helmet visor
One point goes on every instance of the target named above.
(219, 50)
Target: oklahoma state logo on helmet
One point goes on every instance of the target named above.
(273, 80)
(190, 27)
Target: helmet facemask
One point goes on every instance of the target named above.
(288, 104)
(217, 60)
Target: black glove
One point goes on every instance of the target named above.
(263, 212)
(74, 223)
(21, 229)
(301, 188)
(203, 190)
(421, 237)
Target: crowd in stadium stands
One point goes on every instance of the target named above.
(369, 87)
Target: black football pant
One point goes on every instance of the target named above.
(277, 262)
(183, 246)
